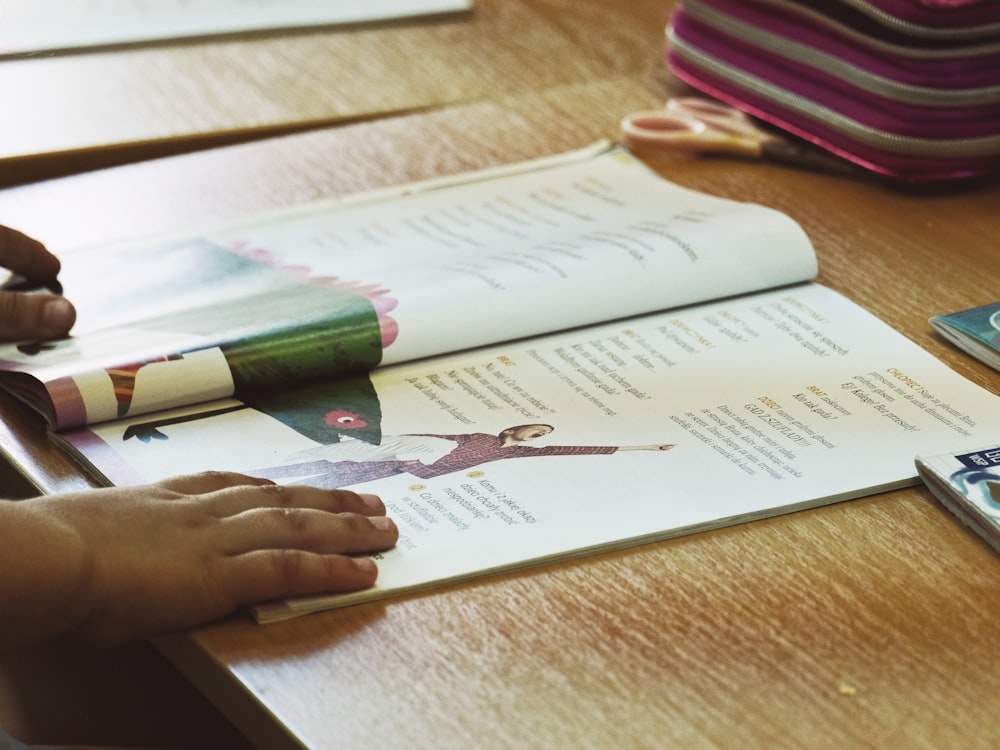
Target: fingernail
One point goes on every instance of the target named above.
(383, 523)
(58, 314)
(372, 501)
(364, 564)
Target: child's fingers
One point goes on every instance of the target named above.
(305, 529)
(273, 574)
(235, 500)
(210, 481)
(26, 255)
(34, 316)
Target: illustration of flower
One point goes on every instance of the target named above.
(344, 419)
(378, 296)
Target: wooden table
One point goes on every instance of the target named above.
(72, 112)
(863, 624)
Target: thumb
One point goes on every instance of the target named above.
(34, 316)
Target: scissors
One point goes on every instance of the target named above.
(695, 125)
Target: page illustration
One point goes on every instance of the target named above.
(204, 322)
(610, 435)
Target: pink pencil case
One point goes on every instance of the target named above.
(906, 88)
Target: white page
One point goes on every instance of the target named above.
(571, 241)
(48, 25)
(587, 241)
(775, 401)
(477, 259)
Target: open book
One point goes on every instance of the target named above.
(661, 354)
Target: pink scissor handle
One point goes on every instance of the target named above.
(714, 114)
(657, 128)
(680, 128)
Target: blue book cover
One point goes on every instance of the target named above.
(976, 331)
(968, 484)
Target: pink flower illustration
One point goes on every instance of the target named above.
(376, 294)
(344, 419)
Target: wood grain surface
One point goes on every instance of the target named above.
(89, 110)
(866, 624)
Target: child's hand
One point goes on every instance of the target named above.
(31, 316)
(111, 565)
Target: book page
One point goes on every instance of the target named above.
(415, 272)
(208, 321)
(496, 259)
(624, 433)
(31, 26)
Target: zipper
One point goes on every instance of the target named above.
(911, 29)
(966, 49)
(801, 53)
(888, 142)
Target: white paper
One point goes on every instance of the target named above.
(49, 25)
(477, 259)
